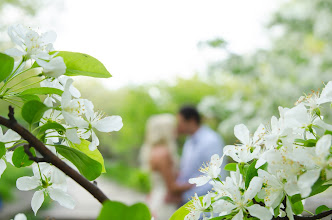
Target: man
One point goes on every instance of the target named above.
(201, 143)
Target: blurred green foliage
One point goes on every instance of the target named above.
(128, 176)
(8, 180)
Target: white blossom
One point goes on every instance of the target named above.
(210, 171)
(249, 147)
(49, 181)
(198, 207)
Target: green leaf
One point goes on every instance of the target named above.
(297, 207)
(27, 98)
(20, 158)
(42, 91)
(230, 167)
(2, 149)
(51, 125)
(321, 209)
(88, 167)
(227, 198)
(251, 173)
(295, 198)
(183, 210)
(6, 67)
(243, 168)
(79, 64)
(328, 132)
(118, 210)
(96, 155)
(318, 187)
(32, 111)
(307, 143)
(276, 211)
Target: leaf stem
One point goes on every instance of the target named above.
(28, 85)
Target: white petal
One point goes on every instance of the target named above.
(41, 56)
(238, 216)
(66, 96)
(74, 92)
(259, 212)
(108, 124)
(72, 136)
(94, 143)
(260, 162)
(259, 133)
(58, 178)
(26, 183)
(62, 198)
(323, 146)
(37, 200)
(83, 133)
(9, 156)
(207, 201)
(326, 95)
(69, 118)
(3, 166)
(20, 216)
(48, 37)
(306, 181)
(89, 109)
(254, 187)
(10, 136)
(14, 52)
(49, 103)
(222, 206)
(289, 210)
(199, 181)
(328, 174)
(241, 132)
(54, 68)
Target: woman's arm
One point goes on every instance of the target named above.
(161, 161)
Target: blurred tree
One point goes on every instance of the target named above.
(19, 10)
(254, 85)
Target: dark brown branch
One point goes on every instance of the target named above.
(296, 217)
(319, 216)
(49, 156)
(11, 114)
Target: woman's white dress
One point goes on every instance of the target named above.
(160, 209)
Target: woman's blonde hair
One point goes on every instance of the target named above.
(159, 130)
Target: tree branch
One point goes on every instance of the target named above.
(296, 217)
(50, 157)
(319, 216)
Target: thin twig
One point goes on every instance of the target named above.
(33, 158)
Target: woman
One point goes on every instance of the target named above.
(158, 155)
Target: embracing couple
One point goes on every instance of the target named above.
(169, 174)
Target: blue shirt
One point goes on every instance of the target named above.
(197, 150)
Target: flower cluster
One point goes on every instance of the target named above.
(63, 120)
(276, 168)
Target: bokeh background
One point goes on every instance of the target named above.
(236, 60)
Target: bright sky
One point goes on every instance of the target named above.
(150, 40)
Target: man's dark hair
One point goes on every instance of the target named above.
(190, 112)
